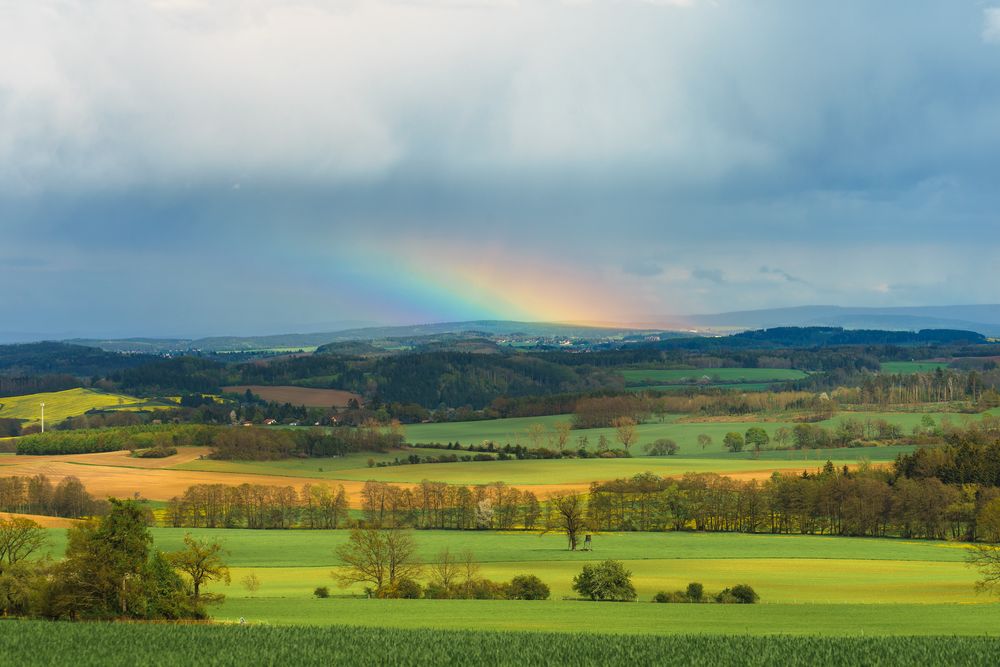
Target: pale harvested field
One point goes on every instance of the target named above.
(43, 521)
(119, 475)
(311, 398)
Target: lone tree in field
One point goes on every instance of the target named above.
(567, 514)
(626, 431)
(377, 556)
(251, 583)
(607, 581)
(704, 440)
(733, 441)
(757, 439)
(986, 559)
(202, 561)
(562, 434)
(446, 570)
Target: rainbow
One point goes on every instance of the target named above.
(437, 282)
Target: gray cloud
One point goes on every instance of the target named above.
(710, 275)
(784, 275)
(603, 135)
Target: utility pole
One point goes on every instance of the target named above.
(43, 417)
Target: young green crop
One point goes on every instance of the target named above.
(90, 644)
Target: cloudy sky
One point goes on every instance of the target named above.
(193, 167)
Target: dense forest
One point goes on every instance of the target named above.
(476, 374)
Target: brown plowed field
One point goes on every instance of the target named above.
(311, 398)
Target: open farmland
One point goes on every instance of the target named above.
(311, 398)
(857, 585)
(60, 405)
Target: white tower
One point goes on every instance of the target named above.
(43, 417)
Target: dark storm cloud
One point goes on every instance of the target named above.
(159, 151)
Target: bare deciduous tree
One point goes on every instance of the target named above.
(626, 431)
(986, 559)
(377, 556)
(19, 538)
(567, 514)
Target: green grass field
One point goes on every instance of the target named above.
(709, 376)
(69, 403)
(907, 367)
(731, 387)
(808, 584)
(683, 431)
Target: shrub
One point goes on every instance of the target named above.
(527, 587)
(739, 594)
(484, 589)
(608, 581)
(670, 597)
(662, 447)
(695, 592)
(322, 592)
(408, 589)
(154, 453)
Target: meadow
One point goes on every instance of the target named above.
(69, 403)
(910, 367)
(684, 430)
(86, 645)
(856, 584)
(709, 376)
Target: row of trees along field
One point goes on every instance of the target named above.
(37, 495)
(229, 442)
(258, 506)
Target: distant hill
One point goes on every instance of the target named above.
(294, 341)
(983, 319)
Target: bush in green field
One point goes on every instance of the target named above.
(739, 594)
(607, 581)
(322, 592)
(404, 588)
(695, 592)
(672, 597)
(527, 587)
(662, 447)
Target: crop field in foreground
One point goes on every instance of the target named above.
(86, 645)
(69, 403)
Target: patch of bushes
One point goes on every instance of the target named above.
(695, 593)
(662, 447)
(154, 453)
(322, 592)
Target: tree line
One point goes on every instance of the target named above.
(258, 506)
(38, 495)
